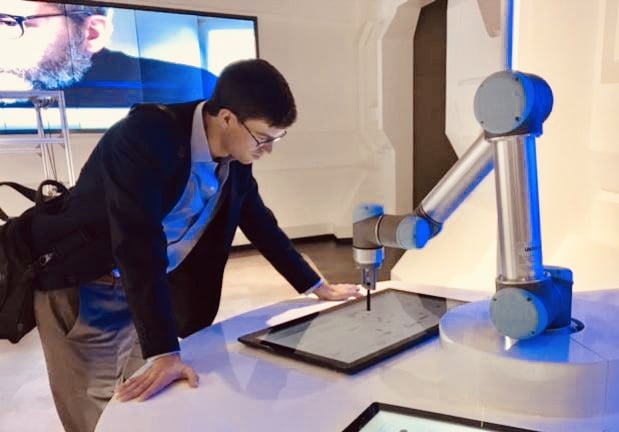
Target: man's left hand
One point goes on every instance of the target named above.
(163, 371)
(337, 291)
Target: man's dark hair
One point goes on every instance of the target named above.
(254, 89)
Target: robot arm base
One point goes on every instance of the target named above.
(524, 310)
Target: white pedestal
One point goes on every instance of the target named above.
(556, 374)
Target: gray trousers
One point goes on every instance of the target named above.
(90, 346)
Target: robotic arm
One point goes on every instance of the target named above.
(530, 298)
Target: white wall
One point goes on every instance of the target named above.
(354, 122)
(579, 190)
(573, 45)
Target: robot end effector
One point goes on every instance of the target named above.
(372, 229)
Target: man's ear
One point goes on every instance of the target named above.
(225, 117)
(98, 33)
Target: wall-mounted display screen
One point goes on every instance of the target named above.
(107, 57)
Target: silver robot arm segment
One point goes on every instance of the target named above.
(372, 229)
(511, 107)
(530, 298)
(457, 184)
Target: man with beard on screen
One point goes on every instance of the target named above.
(49, 46)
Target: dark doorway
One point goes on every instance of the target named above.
(433, 154)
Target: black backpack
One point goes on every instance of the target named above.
(18, 267)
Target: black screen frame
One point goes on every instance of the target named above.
(253, 339)
(131, 6)
(371, 411)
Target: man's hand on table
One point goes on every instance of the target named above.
(163, 371)
(337, 291)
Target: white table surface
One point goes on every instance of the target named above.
(245, 389)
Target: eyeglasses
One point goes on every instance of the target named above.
(13, 26)
(269, 140)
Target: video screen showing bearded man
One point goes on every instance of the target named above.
(49, 46)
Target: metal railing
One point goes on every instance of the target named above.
(42, 142)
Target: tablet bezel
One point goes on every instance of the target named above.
(371, 411)
(253, 339)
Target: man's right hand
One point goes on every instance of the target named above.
(342, 291)
(163, 371)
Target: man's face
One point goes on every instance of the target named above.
(44, 56)
(248, 141)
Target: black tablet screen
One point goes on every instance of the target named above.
(380, 417)
(349, 336)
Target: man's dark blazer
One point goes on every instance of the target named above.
(134, 177)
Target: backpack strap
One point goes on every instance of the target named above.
(27, 192)
(36, 196)
(24, 190)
